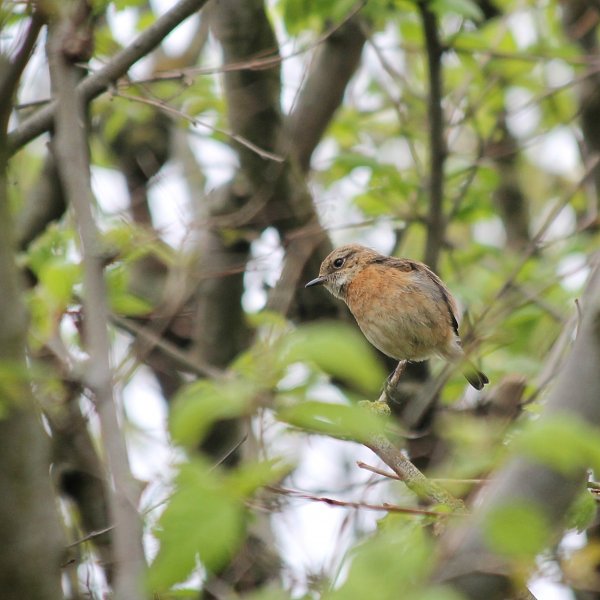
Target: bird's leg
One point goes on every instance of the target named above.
(389, 386)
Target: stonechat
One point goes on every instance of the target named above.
(402, 307)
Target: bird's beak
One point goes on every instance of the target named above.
(317, 281)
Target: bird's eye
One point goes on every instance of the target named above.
(338, 262)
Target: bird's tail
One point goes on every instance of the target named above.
(474, 376)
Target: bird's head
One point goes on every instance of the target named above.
(341, 266)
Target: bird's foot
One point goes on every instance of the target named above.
(379, 407)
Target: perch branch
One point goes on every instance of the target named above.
(411, 476)
(394, 458)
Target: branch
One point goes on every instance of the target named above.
(334, 65)
(10, 74)
(78, 472)
(362, 465)
(391, 508)
(253, 104)
(437, 144)
(101, 80)
(508, 196)
(73, 166)
(44, 203)
(394, 458)
(28, 519)
(424, 488)
(175, 112)
(152, 340)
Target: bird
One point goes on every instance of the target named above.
(402, 307)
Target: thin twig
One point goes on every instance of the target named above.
(197, 123)
(389, 475)
(10, 74)
(366, 505)
(362, 465)
(579, 314)
(183, 360)
(101, 80)
(252, 64)
(90, 536)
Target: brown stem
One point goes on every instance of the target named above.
(410, 475)
(10, 74)
(437, 144)
(322, 93)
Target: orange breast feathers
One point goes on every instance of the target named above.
(403, 310)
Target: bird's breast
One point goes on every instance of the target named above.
(395, 315)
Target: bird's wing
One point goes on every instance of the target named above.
(407, 265)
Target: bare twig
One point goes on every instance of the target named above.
(389, 475)
(90, 536)
(362, 465)
(171, 110)
(11, 72)
(255, 63)
(73, 166)
(323, 90)
(153, 340)
(579, 313)
(366, 505)
(100, 81)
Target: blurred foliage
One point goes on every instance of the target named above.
(205, 518)
(575, 445)
(517, 67)
(400, 549)
(517, 530)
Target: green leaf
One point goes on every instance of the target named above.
(401, 551)
(563, 443)
(337, 349)
(59, 278)
(198, 405)
(252, 476)
(463, 8)
(204, 519)
(338, 420)
(123, 4)
(120, 298)
(127, 304)
(582, 512)
(519, 530)
(15, 378)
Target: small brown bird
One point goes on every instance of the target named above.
(403, 308)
